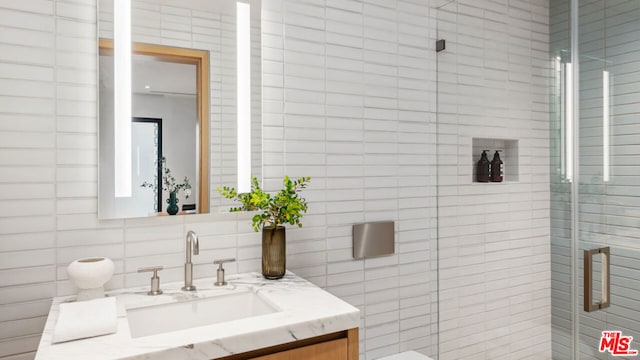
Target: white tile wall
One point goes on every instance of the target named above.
(27, 158)
(349, 99)
(493, 238)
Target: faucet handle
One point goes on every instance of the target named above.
(220, 276)
(222, 261)
(155, 279)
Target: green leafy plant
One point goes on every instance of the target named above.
(284, 207)
(169, 181)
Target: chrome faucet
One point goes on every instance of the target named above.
(192, 242)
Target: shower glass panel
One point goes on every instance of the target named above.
(609, 175)
(493, 243)
(598, 205)
(563, 295)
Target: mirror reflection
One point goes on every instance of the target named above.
(169, 106)
(184, 107)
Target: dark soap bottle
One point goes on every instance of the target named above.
(497, 168)
(483, 168)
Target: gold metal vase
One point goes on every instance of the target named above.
(274, 253)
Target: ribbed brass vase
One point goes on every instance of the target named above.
(274, 252)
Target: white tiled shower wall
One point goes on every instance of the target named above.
(349, 99)
(494, 274)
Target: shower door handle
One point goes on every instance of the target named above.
(589, 305)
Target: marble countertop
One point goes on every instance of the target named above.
(305, 311)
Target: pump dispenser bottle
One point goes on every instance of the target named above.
(497, 168)
(483, 169)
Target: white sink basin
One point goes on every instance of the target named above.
(157, 319)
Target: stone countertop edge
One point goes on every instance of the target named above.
(306, 311)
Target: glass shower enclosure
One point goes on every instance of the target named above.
(595, 178)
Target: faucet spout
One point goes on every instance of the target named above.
(192, 246)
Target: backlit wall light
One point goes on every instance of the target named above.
(122, 97)
(605, 126)
(568, 121)
(243, 56)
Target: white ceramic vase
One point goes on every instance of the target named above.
(89, 275)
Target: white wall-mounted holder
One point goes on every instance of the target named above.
(508, 154)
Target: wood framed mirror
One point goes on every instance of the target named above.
(171, 84)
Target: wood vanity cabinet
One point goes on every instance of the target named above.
(341, 345)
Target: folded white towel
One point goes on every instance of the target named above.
(85, 319)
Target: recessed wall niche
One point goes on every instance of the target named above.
(508, 154)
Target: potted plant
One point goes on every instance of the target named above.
(274, 211)
(169, 185)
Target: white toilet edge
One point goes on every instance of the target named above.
(407, 355)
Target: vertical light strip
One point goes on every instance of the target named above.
(122, 96)
(568, 121)
(559, 106)
(243, 58)
(605, 126)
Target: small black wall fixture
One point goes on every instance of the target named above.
(440, 45)
(158, 123)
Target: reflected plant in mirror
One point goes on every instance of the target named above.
(170, 186)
